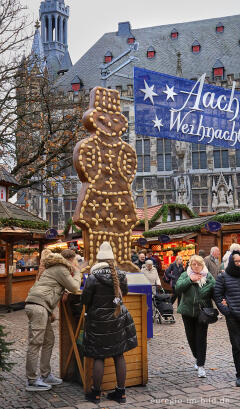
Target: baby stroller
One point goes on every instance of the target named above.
(162, 308)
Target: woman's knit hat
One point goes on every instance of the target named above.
(105, 252)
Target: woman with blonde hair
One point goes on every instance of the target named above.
(196, 288)
(45, 253)
(109, 327)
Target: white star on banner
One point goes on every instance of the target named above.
(169, 92)
(157, 123)
(149, 93)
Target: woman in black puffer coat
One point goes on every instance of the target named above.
(109, 327)
(227, 298)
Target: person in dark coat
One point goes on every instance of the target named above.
(173, 272)
(227, 299)
(109, 327)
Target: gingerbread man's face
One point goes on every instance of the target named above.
(109, 124)
(104, 116)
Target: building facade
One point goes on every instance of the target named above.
(205, 178)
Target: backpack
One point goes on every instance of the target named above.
(166, 279)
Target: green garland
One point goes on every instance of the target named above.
(25, 250)
(163, 211)
(75, 229)
(221, 218)
(176, 230)
(24, 223)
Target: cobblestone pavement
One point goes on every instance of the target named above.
(173, 383)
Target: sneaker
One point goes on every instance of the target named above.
(201, 372)
(93, 396)
(37, 385)
(52, 380)
(238, 382)
(118, 395)
(196, 366)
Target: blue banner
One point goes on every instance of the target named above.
(191, 111)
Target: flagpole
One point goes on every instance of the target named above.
(145, 210)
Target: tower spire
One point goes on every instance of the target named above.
(54, 15)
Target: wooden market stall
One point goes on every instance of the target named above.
(73, 366)
(19, 230)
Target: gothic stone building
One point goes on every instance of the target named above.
(206, 178)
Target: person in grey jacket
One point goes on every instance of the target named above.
(227, 298)
(43, 297)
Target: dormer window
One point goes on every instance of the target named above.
(196, 47)
(108, 57)
(131, 40)
(151, 52)
(174, 34)
(219, 28)
(76, 84)
(218, 70)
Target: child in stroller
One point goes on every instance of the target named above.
(162, 307)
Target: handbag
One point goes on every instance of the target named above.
(207, 315)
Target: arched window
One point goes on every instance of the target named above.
(108, 57)
(59, 36)
(174, 34)
(64, 32)
(54, 34)
(151, 52)
(46, 33)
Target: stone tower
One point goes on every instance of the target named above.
(54, 15)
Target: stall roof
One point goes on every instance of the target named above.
(6, 177)
(185, 222)
(11, 211)
(177, 227)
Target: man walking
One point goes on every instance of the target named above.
(212, 261)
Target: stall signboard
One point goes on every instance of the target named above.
(190, 111)
(51, 234)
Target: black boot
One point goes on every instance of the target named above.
(118, 395)
(93, 396)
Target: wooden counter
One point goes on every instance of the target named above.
(75, 367)
(20, 284)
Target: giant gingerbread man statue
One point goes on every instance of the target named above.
(106, 165)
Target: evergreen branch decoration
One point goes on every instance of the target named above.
(74, 227)
(24, 223)
(176, 230)
(163, 211)
(25, 250)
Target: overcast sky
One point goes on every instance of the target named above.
(90, 19)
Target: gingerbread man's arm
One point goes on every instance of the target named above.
(127, 162)
(86, 156)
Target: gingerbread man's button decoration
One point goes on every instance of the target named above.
(106, 165)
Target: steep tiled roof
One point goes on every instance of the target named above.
(150, 211)
(214, 46)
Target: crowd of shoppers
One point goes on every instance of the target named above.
(109, 327)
